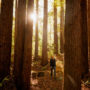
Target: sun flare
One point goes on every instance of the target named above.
(33, 17)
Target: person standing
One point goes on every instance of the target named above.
(53, 66)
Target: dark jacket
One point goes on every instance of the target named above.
(52, 62)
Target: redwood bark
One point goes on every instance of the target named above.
(73, 46)
(44, 42)
(62, 27)
(36, 35)
(16, 16)
(5, 37)
(0, 6)
(19, 44)
(89, 33)
(28, 48)
(55, 29)
(84, 37)
(23, 46)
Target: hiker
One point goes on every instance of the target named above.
(53, 66)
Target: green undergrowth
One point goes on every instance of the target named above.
(5, 79)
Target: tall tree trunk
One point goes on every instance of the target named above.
(5, 37)
(0, 6)
(84, 37)
(55, 28)
(44, 42)
(73, 46)
(89, 33)
(28, 48)
(23, 46)
(62, 27)
(0, 10)
(36, 36)
(19, 44)
(16, 16)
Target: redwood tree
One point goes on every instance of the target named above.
(36, 36)
(5, 37)
(44, 42)
(55, 28)
(62, 26)
(84, 37)
(19, 44)
(23, 45)
(73, 46)
(16, 13)
(28, 47)
(89, 33)
(0, 6)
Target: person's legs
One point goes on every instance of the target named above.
(54, 72)
(51, 71)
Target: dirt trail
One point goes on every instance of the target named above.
(45, 82)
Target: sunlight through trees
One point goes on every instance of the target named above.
(37, 33)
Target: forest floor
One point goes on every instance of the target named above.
(41, 79)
